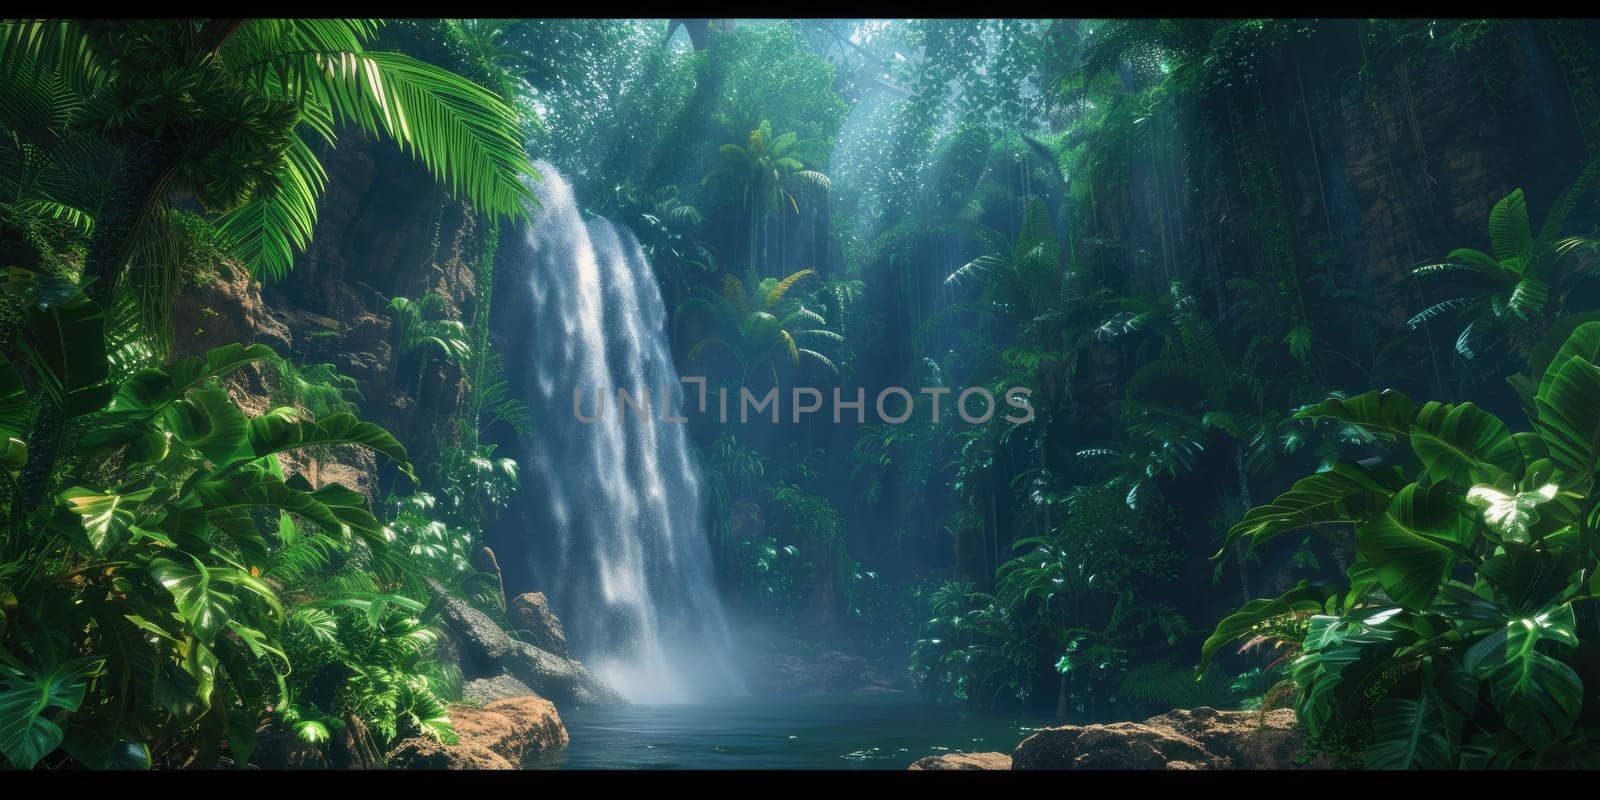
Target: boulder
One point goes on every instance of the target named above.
(489, 652)
(483, 691)
(483, 643)
(501, 735)
(561, 679)
(950, 761)
(536, 724)
(424, 753)
(1200, 738)
(531, 614)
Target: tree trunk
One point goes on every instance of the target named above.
(1061, 699)
(138, 181)
(140, 177)
(44, 439)
(1244, 496)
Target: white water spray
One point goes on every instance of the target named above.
(626, 558)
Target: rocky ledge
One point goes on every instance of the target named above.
(504, 734)
(950, 761)
(1198, 738)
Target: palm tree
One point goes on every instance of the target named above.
(421, 328)
(1022, 278)
(762, 176)
(228, 110)
(1513, 294)
(761, 324)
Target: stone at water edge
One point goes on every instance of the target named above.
(489, 652)
(530, 612)
(963, 761)
(1200, 738)
(561, 679)
(501, 735)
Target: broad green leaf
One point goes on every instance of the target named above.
(1305, 598)
(287, 428)
(240, 526)
(96, 748)
(1410, 734)
(1346, 493)
(1463, 444)
(26, 734)
(152, 390)
(1583, 342)
(1537, 696)
(1511, 515)
(249, 490)
(13, 453)
(1337, 658)
(1385, 413)
(1527, 579)
(107, 517)
(1569, 417)
(1413, 544)
(202, 603)
(65, 345)
(350, 508)
(208, 421)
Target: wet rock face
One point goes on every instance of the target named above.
(531, 614)
(1200, 738)
(963, 761)
(829, 672)
(487, 652)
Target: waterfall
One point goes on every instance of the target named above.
(613, 514)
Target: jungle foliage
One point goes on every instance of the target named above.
(171, 583)
(1221, 252)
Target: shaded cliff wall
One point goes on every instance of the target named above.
(385, 229)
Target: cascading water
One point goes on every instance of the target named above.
(612, 508)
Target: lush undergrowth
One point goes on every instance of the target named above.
(1219, 253)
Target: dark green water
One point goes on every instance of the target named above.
(813, 732)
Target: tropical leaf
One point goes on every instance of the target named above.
(1307, 597)
(1414, 543)
(1509, 232)
(1463, 444)
(1384, 413)
(1346, 493)
(27, 735)
(208, 421)
(1568, 418)
(1511, 515)
(283, 429)
(1537, 696)
(107, 517)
